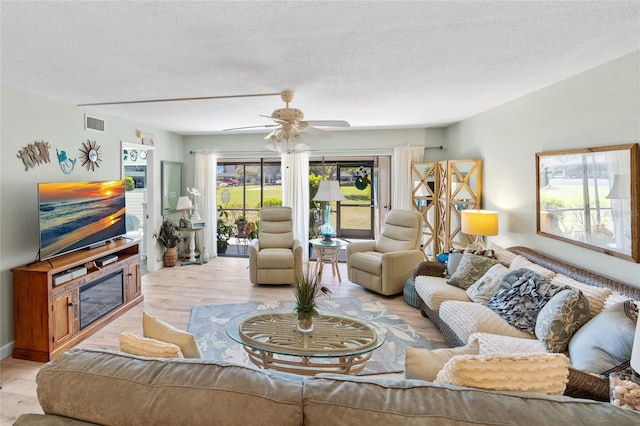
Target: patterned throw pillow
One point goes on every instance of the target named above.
(521, 296)
(565, 313)
(483, 289)
(471, 268)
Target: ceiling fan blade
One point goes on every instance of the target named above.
(328, 123)
(201, 98)
(316, 131)
(251, 127)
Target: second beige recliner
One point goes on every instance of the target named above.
(385, 265)
(275, 257)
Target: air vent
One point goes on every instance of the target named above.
(93, 123)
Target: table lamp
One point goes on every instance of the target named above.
(479, 223)
(329, 190)
(184, 204)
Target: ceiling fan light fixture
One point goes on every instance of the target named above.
(271, 144)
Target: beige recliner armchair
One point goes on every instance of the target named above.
(275, 257)
(385, 265)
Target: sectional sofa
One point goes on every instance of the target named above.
(585, 315)
(91, 386)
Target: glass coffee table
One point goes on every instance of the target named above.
(337, 344)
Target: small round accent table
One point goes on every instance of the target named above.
(327, 255)
(337, 344)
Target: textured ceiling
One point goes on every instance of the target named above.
(375, 64)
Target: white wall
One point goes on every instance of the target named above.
(26, 118)
(597, 108)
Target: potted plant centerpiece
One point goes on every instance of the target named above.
(169, 237)
(306, 289)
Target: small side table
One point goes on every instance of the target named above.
(192, 247)
(327, 254)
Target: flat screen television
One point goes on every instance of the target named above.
(76, 215)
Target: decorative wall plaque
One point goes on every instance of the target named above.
(90, 155)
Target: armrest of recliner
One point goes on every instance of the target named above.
(297, 258)
(397, 263)
(429, 268)
(254, 248)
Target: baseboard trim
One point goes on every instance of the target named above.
(6, 350)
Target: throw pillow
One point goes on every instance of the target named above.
(604, 343)
(595, 295)
(503, 255)
(483, 289)
(521, 296)
(453, 260)
(160, 330)
(565, 313)
(535, 373)
(138, 345)
(520, 262)
(424, 364)
(471, 268)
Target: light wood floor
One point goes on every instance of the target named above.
(170, 294)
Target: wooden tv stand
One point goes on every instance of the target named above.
(46, 317)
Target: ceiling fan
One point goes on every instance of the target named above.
(290, 121)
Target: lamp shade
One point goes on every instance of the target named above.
(635, 352)
(329, 190)
(621, 189)
(479, 222)
(184, 203)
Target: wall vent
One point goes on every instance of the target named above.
(93, 123)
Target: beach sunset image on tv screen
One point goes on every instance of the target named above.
(74, 215)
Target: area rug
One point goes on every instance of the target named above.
(207, 324)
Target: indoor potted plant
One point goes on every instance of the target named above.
(224, 231)
(306, 288)
(169, 237)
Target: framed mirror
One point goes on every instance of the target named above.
(171, 175)
(591, 197)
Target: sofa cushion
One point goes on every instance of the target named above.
(275, 258)
(595, 295)
(113, 388)
(483, 289)
(368, 261)
(466, 318)
(471, 268)
(604, 343)
(434, 291)
(138, 345)
(521, 296)
(348, 400)
(520, 262)
(565, 313)
(157, 329)
(533, 373)
(424, 364)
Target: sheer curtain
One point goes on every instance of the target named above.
(205, 182)
(295, 194)
(401, 182)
